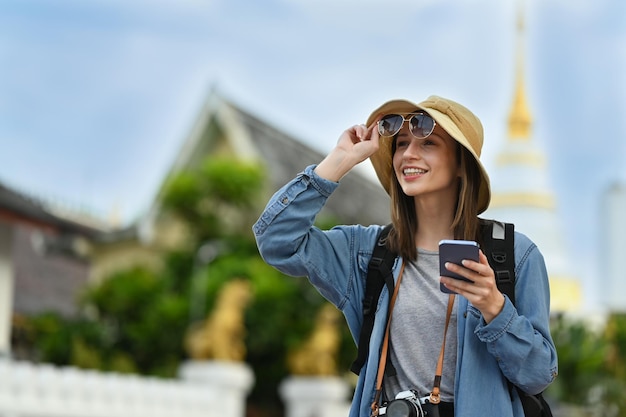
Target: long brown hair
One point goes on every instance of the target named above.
(401, 238)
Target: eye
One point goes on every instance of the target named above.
(402, 143)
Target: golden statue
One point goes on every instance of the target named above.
(317, 355)
(221, 335)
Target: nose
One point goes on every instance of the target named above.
(413, 149)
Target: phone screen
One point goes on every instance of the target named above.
(455, 251)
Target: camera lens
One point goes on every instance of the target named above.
(402, 408)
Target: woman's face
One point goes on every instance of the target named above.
(427, 167)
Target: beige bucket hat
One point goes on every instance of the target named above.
(457, 120)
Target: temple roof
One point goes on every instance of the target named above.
(239, 132)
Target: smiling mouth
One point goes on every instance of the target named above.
(413, 171)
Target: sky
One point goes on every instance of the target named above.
(97, 96)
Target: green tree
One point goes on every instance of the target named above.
(614, 386)
(217, 200)
(581, 355)
(592, 365)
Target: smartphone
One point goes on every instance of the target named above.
(455, 251)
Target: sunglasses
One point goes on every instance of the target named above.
(421, 125)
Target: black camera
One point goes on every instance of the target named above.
(406, 404)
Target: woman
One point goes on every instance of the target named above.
(426, 156)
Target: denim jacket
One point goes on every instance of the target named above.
(516, 345)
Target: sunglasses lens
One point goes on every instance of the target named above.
(390, 124)
(421, 125)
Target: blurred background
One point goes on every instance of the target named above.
(140, 139)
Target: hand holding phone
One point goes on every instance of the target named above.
(455, 251)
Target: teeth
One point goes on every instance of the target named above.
(413, 171)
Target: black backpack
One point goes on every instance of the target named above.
(497, 244)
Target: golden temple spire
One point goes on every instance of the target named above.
(521, 191)
(520, 119)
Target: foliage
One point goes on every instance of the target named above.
(614, 386)
(123, 331)
(592, 364)
(216, 198)
(134, 306)
(52, 334)
(580, 352)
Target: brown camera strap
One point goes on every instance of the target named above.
(434, 396)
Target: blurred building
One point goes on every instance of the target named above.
(612, 244)
(224, 129)
(522, 194)
(44, 261)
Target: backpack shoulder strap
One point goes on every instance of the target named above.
(379, 273)
(498, 240)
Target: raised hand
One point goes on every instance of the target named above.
(355, 145)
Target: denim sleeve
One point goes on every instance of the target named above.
(288, 240)
(519, 337)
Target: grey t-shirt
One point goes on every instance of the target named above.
(417, 326)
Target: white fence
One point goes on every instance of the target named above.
(315, 396)
(205, 389)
